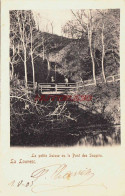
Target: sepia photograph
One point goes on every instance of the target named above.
(62, 98)
(64, 77)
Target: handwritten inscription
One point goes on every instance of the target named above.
(60, 172)
(55, 177)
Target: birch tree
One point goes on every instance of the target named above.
(14, 60)
(82, 25)
(14, 42)
(107, 35)
(102, 28)
(45, 40)
(35, 43)
(103, 53)
(90, 31)
(24, 40)
(22, 22)
(99, 38)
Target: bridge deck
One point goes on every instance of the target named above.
(60, 88)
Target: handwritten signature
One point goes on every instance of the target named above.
(55, 177)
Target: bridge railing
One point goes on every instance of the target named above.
(56, 86)
(113, 78)
(109, 79)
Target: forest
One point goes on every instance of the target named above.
(88, 50)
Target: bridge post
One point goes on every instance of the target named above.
(56, 88)
(41, 88)
(77, 86)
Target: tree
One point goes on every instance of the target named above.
(19, 36)
(35, 43)
(24, 40)
(44, 38)
(14, 42)
(14, 60)
(22, 19)
(81, 26)
(90, 31)
(107, 35)
(102, 30)
(99, 37)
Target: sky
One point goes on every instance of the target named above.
(58, 18)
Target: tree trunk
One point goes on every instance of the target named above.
(90, 44)
(43, 49)
(25, 67)
(18, 49)
(22, 32)
(103, 54)
(33, 69)
(48, 65)
(12, 70)
(92, 57)
(52, 27)
(55, 73)
(25, 64)
(32, 60)
(13, 50)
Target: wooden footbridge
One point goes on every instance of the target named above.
(57, 88)
(60, 88)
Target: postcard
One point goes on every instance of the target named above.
(62, 98)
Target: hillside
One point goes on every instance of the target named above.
(71, 57)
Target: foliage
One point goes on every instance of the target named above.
(75, 57)
(78, 28)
